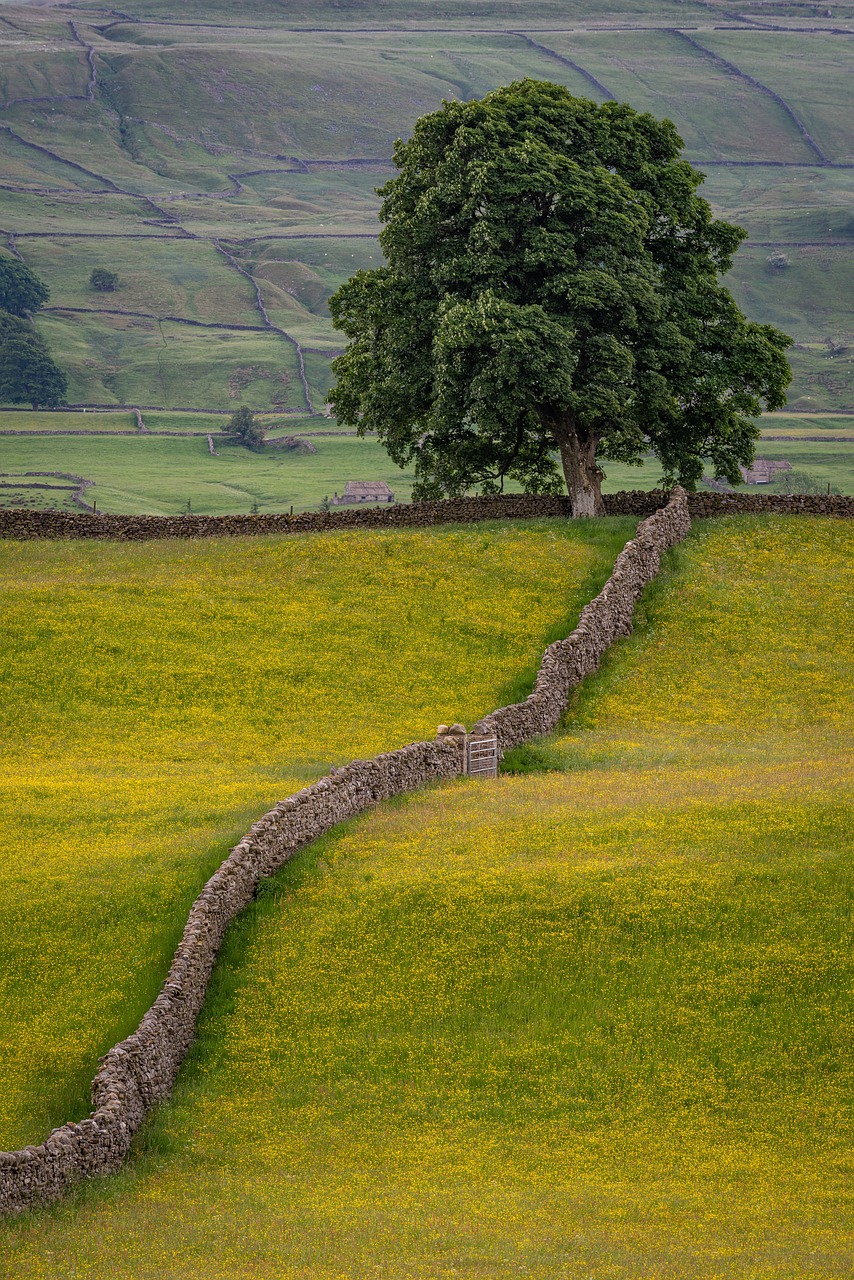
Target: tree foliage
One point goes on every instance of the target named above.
(28, 373)
(103, 281)
(21, 291)
(244, 428)
(551, 285)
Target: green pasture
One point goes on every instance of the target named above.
(323, 99)
(161, 277)
(336, 15)
(45, 71)
(135, 360)
(159, 474)
(810, 297)
(802, 71)
(47, 420)
(157, 698)
(660, 72)
(73, 210)
(802, 425)
(778, 205)
(591, 1022)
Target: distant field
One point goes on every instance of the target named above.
(592, 1023)
(156, 699)
(160, 474)
(808, 425)
(127, 360)
(272, 143)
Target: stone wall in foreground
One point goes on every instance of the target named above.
(19, 523)
(140, 1072)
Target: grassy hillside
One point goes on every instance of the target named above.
(157, 698)
(593, 1023)
(204, 157)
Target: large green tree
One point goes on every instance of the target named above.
(21, 290)
(552, 286)
(28, 372)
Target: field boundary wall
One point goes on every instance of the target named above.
(139, 1072)
(21, 523)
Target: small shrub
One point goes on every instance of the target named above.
(104, 281)
(243, 428)
(800, 482)
(778, 261)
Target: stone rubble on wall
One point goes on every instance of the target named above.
(24, 524)
(140, 1072)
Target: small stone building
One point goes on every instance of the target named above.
(357, 491)
(763, 470)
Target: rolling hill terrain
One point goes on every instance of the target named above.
(588, 1022)
(155, 698)
(225, 166)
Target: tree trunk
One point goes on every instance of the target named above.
(578, 456)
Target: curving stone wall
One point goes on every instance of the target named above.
(19, 523)
(566, 662)
(140, 1072)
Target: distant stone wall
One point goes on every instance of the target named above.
(18, 523)
(704, 505)
(140, 1072)
(566, 662)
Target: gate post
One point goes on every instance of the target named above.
(456, 734)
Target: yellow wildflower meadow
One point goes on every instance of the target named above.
(595, 1022)
(157, 698)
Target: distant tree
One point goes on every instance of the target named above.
(21, 290)
(28, 373)
(552, 287)
(243, 428)
(104, 281)
(778, 261)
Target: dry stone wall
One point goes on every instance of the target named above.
(140, 1072)
(566, 662)
(19, 523)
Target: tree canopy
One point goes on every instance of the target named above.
(104, 281)
(28, 373)
(243, 427)
(21, 290)
(552, 284)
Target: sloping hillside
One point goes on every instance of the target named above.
(594, 1022)
(227, 171)
(157, 699)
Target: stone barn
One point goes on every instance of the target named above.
(764, 470)
(357, 491)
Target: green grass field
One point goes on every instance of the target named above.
(594, 1022)
(156, 699)
(160, 473)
